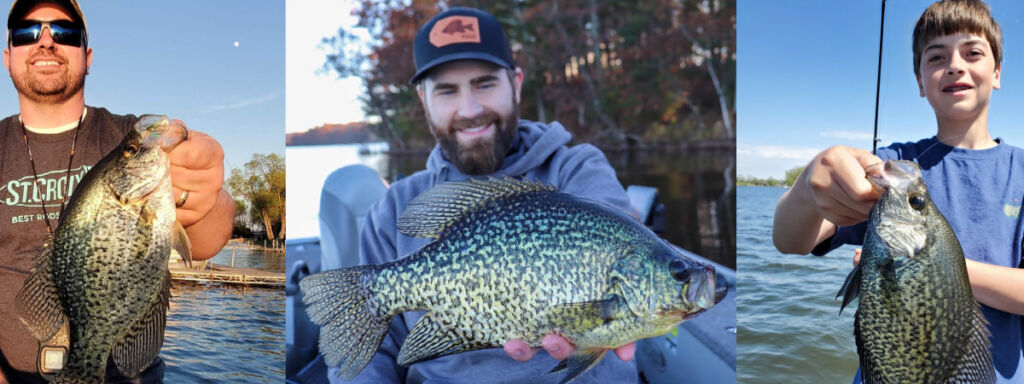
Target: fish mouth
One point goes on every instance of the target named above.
(160, 131)
(892, 174)
(701, 291)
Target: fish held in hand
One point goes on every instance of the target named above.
(511, 259)
(917, 321)
(101, 279)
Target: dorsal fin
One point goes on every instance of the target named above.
(437, 209)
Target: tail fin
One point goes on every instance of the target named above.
(351, 327)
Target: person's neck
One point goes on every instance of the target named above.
(968, 134)
(48, 116)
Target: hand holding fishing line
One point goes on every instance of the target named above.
(838, 187)
(197, 174)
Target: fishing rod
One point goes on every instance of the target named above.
(878, 82)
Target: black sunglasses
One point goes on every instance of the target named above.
(63, 32)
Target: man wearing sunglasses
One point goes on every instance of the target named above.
(51, 143)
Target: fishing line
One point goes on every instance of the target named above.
(878, 82)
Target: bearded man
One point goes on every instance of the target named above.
(470, 89)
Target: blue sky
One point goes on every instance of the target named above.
(316, 97)
(806, 74)
(179, 58)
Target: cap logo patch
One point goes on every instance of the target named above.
(455, 29)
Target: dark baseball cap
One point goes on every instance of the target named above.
(460, 34)
(21, 7)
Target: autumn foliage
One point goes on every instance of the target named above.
(612, 72)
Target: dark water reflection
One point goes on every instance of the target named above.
(220, 334)
(698, 188)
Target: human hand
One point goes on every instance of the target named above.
(856, 257)
(559, 348)
(197, 166)
(838, 187)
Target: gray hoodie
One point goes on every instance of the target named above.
(538, 152)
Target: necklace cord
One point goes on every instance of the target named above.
(67, 174)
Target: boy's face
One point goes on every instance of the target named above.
(958, 74)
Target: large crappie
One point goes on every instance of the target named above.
(102, 279)
(511, 260)
(917, 321)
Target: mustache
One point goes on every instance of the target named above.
(484, 118)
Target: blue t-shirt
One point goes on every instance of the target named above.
(979, 192)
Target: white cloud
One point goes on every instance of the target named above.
(245, 102)
(776, 152)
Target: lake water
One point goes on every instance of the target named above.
(697, 188)
(221, 334)
(790, 330)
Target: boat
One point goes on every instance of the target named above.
(702, 351)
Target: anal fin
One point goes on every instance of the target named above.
(136, 351)
(181, 243)
(430, 339)
(38, 302)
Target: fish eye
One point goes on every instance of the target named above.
(916, 202)
(680, 271)
(131, 150)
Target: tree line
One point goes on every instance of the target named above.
(611, 71)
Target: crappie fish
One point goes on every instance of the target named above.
(917, 321)
(101, 281)
(511, 259)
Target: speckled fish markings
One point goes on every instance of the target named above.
(917, 321)
(511, 259)
(103, 275)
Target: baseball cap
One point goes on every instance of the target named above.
(21, 7)
(459, 34)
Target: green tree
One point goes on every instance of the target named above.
(792, 174)
(260, 184)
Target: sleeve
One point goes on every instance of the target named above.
(853, 235)
(377, 244)
(586, 172)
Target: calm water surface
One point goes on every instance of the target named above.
(220, 334)
(697, 188)
(790, 330)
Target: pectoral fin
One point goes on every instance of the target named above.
(136, 351)
(851, 287)
(580, 317)
(181, 243)
(38, 303)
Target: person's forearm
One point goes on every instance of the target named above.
(998, 287)
(209, 234)
(797, 226)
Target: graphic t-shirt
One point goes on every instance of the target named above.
(23, 227)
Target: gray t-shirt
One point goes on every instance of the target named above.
(22, 224)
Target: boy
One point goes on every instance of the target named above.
(976, 182)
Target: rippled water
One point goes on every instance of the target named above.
(221, 334)
(790, 330)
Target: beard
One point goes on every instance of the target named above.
(482, 156)
(50, 89)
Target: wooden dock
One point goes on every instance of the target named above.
(221, 274)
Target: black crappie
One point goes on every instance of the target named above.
(102, 278)
(511, 260)
(917, 321)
